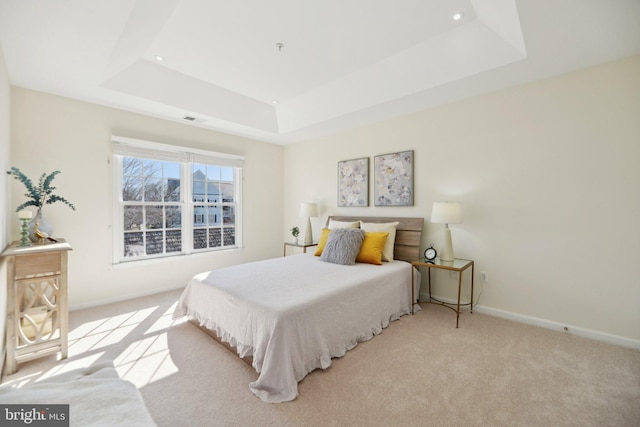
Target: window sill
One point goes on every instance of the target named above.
(170, 258)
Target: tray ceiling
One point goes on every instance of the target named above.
(287, 70)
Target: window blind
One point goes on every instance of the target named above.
(129, 147)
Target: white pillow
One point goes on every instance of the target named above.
(343, 224)
(385, 227)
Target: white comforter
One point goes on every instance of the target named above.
(293, 314)
(96, 396)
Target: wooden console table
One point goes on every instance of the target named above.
(37, 313)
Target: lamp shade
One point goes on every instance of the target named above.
(309, 209)
(446, 213)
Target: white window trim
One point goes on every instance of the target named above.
(123, 147)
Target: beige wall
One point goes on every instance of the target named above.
(5, 210)
(549, 180)
(54, 133)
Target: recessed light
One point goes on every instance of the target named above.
(274, 102)
(159, 58)
(458, 16)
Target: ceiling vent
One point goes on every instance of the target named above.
(194, 119)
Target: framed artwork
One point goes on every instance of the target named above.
(353, 182)
(394, 179)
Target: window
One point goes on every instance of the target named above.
(214, 219)
(172, 202)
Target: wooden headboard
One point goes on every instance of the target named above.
(408, 233)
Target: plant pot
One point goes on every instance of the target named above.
(43, 225)
(294, 240)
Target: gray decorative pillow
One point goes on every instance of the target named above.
(343, 246)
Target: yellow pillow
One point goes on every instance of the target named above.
(372, 247)
(324, 235)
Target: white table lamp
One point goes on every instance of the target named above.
(308, 210)
(446, 213)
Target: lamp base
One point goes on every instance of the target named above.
(308, 234)
(447, 252)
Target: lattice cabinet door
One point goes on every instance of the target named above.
(37, 309)
(37, 314)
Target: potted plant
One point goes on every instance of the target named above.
(295, 232)
(38, 196)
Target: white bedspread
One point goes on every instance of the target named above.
(293, 314)
(96, 396)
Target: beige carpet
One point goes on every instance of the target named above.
(420, 371)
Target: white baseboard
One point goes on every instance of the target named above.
(509, 315)
(548, 324)
(123, 297)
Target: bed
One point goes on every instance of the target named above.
(289, 316)
(95, 395)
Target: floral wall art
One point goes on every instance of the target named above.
(394, 179)
(353, 182)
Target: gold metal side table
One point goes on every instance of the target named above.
(304, 246)
(459, 265)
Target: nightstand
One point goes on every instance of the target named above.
(459, 265)
(304, 246)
